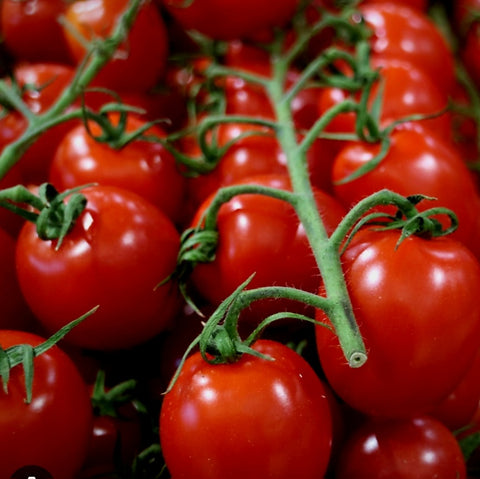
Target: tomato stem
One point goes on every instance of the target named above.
(99, 54)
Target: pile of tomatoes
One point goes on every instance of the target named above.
(181, 184)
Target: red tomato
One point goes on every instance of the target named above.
(459, 407)
(31, 30)
(138, 64)
(143, 167)
(262, 235)
(232, 420)
(407, 90)
(119, 249)
(419, 447)
(409, 34)
(470, 53)
(52, 432)
(230, 20)
(418, 162)
(417, 309)
(48, 81)
(14, 312)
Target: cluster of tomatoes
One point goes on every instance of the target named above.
(150, 223)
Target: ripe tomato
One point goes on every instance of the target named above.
(457, 410)
(53, 430)
(419, 447)
(407, 90)
(31, 30)
(143, 167)
(417, 162)
(232, 420)
(406, 33)
(417, 309)
(227, 21)
(262, 235)
(140, 62)
(469, 53)
(14, 312)
(46, 81)
(118, 251)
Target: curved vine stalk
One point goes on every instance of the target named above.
(96, 58)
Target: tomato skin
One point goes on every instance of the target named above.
(458, 409)
(145, 168)
(262, 235)
(418, 162)
(417, 309)
(31, 31)
(14, 312)
(119, 249)
(147, 39)
(230, 20)
(396, 28)
(248, 408)
(407, 90)
(48, 80)
(54, 429)
(419, 447)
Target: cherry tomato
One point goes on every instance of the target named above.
(409, 34)
(228, 21)
(262, 235)
(459, 407)
(143, 167)
(42, 84)
(231, 420)
(120, 248)
(32, 32)
(419, 447)
(469, 53)
(14, 312)
(53, 430)
(417, 309)
(417, 162)
(407, 90)
(140, 63)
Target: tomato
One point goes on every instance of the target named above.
(417, 309)
(417, 162)
(120, 248)
(407, 90)
(409, 34)
(232, 420)
(459, 407)
(228, 21)
(469, 53)
(46, 81)
(145, 50)
(262, 235)
(419, 447)
(31, 30)
(14, 312)
(143, 167)
(53, 430)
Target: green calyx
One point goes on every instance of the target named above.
(25, 354)
(53, 215)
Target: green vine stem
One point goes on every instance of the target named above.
(99, 54)
(25, 354)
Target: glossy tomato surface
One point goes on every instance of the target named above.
(419, 447)
(417, 308)
(230, 20)
(247, 408)
(417, 162)
(262, 235)
(143, 167)
(53, 430)
(120, 248)
(145, 49)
